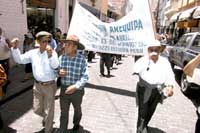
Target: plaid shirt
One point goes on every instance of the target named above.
(3, 76)
(77, 72)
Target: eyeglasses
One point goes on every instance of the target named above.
(157, 50)
(46, 41)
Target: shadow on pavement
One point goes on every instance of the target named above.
(155, 130)
(81, 130)
(112, 90)
(13, 96)
(16, 108)
(8, 130)
(114, 68)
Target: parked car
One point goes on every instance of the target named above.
(187, 47)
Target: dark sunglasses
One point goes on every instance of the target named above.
(46, 41)
(157, 50)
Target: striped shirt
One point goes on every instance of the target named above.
(77, 71)
(3, 76)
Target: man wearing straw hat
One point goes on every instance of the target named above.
(156, 80)
(74, 75)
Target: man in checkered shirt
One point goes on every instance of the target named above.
(74, 75)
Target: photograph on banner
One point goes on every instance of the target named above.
(129, 35)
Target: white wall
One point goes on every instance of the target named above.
(62, 15)
(13, 19)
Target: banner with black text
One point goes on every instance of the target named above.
(129, 35)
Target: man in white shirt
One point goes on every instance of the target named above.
(192, 70)
(44, 62)
(156, 79)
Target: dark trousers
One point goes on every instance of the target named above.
(65, 101)
(197, 127)
(1, 122)
(102, 63)
(146, 110)
(90, 56)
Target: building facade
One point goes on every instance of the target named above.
(182, 16)
(13, 18)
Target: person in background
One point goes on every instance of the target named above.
(44, 62)
(163, 49)
(3, 78)
(57, 35)
(189, 70)
(5, 46)
(27, 45)
(153, 84)
(90, 56)
(53, 43)
(105, 59)
(74, 75)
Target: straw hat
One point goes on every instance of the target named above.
(75, 40)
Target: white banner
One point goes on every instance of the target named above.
(129, 35)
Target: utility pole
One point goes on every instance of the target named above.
(157, 16)
(103, 8)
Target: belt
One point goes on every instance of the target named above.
(45, 83)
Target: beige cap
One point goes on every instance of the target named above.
(41, 34)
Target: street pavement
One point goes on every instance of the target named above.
(109, 105)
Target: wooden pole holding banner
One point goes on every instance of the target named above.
(154, 29)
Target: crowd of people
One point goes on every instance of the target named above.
(52, 57)
(47, 61)
(54, 60)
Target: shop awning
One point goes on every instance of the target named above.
(43, 3)
(186, 14)
(196, 13)
(93, 10)
(174, 17)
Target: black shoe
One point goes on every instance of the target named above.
(43, 123)
(76, 127)
(108, 75)
(103, 75)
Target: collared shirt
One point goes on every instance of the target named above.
(155, 73)
(4, 49)
(43, 67)
(76, 70)
(53, 44)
